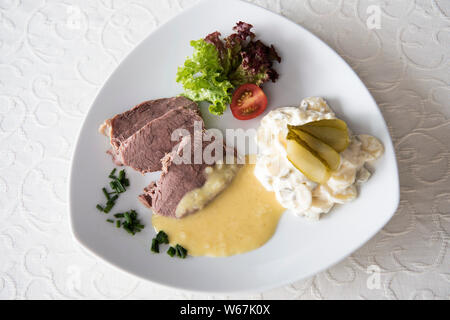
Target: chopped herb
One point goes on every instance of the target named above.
(106, 193)
(113, 199)
(131, 224)
(112, 174)
(120, 187)
(155, 246)
(121, 175)
(127, 229)
(108, 207)
(117, 186)
(171, 252)
(118, 183)
(113, 186)
(110, 204)
(162, 237)
(181, 252)
(127, 217)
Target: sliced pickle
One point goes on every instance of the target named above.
(331, 123)
(336, 138)
(328, 154)
(306, 160)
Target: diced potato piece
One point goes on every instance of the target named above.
(331, 158)
(304, 159)
(338, 139)
(344, 196)
(371, 145)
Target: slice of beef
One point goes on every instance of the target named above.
(164, 196)
(144, 150)
(124, 125)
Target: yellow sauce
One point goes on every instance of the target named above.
(218, 178)
(242, 218)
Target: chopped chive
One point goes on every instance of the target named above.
(127, 217)
(113, 199)
(155, 246)
(120, 186)
(162, 237)
(108, 207)
(181, 252)
(117, 186)
(105, 192)
(113, 186)
(111, 175)
(171, 252)
(121, 175)
(127, 229)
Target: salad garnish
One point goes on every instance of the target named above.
(218, 66)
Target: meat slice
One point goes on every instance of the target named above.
(144, 150)
(177, 180)
(124, 125)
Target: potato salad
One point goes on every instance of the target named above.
(310, 159)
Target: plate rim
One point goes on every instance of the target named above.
(261, 288)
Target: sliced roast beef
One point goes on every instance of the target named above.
(144, 150)
(124, 125)
(180, 179)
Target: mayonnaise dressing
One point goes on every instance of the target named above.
(293, 190)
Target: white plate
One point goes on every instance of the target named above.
(299, 248)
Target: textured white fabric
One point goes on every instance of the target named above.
(54, 56)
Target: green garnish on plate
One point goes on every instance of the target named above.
(171, 252)
(219, 66)
(155, 246)
(181, 252)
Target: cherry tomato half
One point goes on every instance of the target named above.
(248, 102)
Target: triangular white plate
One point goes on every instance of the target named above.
(299, 248)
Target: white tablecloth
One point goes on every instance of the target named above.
(54, 56)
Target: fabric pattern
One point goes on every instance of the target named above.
(55, 55)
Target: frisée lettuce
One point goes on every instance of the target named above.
(219, 66)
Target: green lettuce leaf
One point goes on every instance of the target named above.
(218, 66)
(245, 60)
(204, 79)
